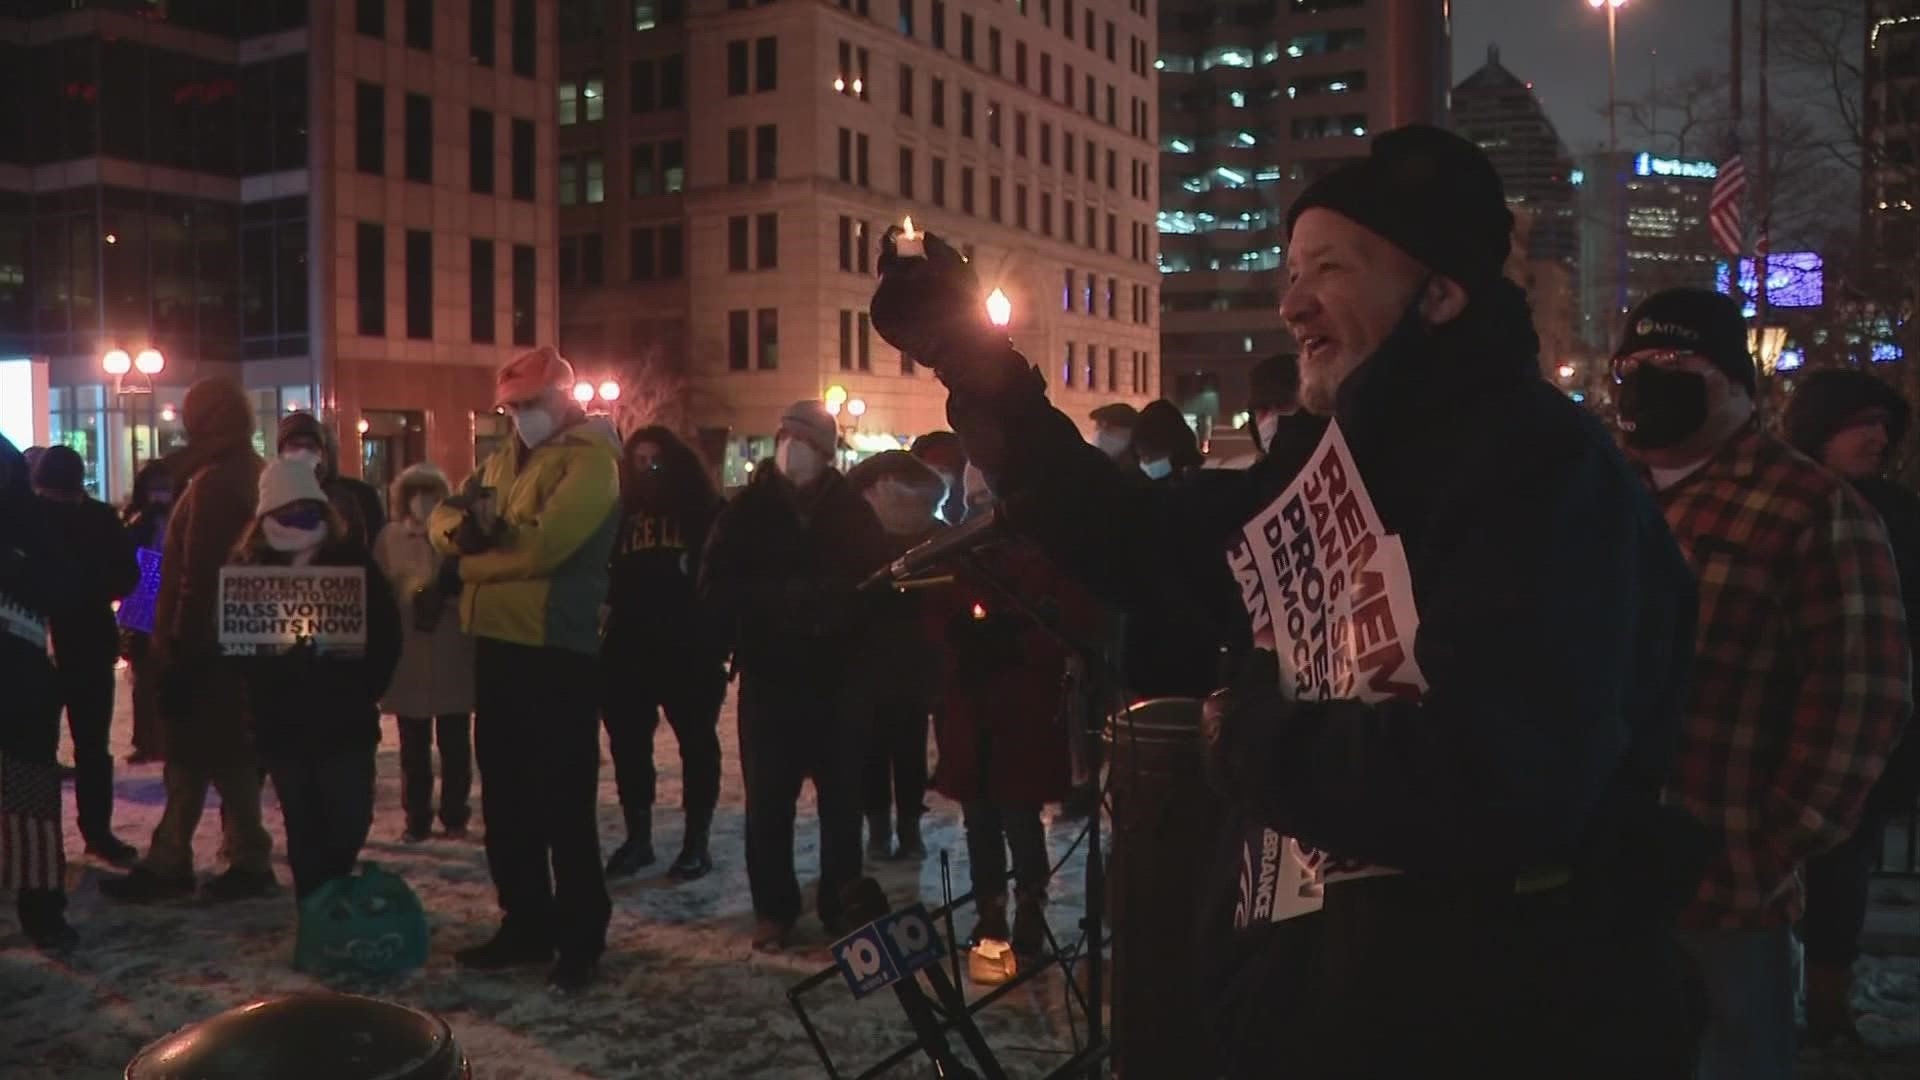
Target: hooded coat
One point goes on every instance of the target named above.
(1819, 408)
(435, 672)
(33, 574)
(84, 631)
(356, 500)
(203, 705)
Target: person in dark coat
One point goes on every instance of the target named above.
(1513, 934)
(303, 437)
(315, 709)
(1165, 443)
(662, 650)
(86, 640)
(901, 663)
(35, 573)
(146, 524)
(783, 571)
(1854, 424)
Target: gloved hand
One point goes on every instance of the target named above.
(472, 538)
(934, 310)
(1238, 720)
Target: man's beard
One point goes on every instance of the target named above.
(1320, 384)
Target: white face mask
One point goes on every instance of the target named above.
(1112, 443)
(310, 458)
(285, 538)
(1267, 426)
(1157, 470)
(534, 424)
(797, 461)
(903, 510)
(421, 506)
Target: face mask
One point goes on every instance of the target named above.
(1157, 470)
(421, 506)
(1112, 443)
(535, 426)
(310, 458)
(797, 461)
(286, 538)
(1661, 408)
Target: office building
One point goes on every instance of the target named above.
(346, 206)
(1643, 228)
(1499, 111)
(726, 173)
(1891, 117)
(1257, 98)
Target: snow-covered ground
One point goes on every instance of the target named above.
(682, 994)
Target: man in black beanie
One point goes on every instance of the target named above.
(1513, 916)
(1801, 682)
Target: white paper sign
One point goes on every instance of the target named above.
(1329, 592)
(269, 608)
(21, 622)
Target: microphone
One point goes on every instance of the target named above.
(977, 531)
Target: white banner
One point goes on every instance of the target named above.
(1329, 592)
(269, 608)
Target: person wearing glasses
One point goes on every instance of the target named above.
(1801, 673)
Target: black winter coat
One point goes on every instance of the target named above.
(302, 702)
(783, 570)
(34, 573)
(1556, 624)
(101, 550)
(656, 623)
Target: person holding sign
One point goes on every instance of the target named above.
(534, 528)
(315, 699)
(1485, 627)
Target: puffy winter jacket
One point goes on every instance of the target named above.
(544, 578)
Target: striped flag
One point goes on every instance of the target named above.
(1724, 208)
(32, 855)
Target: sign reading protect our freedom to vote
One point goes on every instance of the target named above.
(268, 609)
(1328, 591)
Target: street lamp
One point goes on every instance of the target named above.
(999, 308)
(1613, 8)
(609, 391)
(148, 363)
(857, 408)
(584, 392)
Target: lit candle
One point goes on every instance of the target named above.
(908, 244)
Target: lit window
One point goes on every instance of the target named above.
(1236, 99)
(595, 95)
(569, 104)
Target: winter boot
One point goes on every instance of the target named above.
(912, 848)
(43, 917)
(1830, 1005)
(573, 973)
(143, 886)
(1030, 924)
(693, 861)
(992, 921)
(879, 837)
(770, 935)
(238, 884)
(637, 853)
(504, 950)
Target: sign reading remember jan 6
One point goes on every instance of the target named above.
(266, 609)
(1328, 590)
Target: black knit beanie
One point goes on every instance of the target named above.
(1430, 193)
(1698, 321)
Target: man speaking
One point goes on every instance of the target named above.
(1502, 929)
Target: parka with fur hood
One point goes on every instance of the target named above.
(435, 676)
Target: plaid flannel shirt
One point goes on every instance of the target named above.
(1801, 676)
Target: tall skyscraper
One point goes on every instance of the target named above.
(1643, 228)
(1891, 115)
(727, 171)
(346, 206)
(1257, 99)
(1499, 111)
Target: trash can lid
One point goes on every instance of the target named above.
(307, 1036)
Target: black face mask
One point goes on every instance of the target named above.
(1661, 408)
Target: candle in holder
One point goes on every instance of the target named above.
(908, 244)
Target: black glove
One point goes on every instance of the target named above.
(934, 310)
(1238, 722)
(429, 603)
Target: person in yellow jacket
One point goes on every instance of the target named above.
(531, 531)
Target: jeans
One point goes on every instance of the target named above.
(86, 686)
(632, 714)
(788, 734)
(991, 830)
(417, 736)
(246, 843)
(1749, 975)
(537, 740)
(895, 777)
(326, 801)
(1837, 897)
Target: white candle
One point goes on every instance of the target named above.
(908, 244)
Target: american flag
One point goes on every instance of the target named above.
(31, 853)
(1724, 208)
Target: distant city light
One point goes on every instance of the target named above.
(1578, 177)
(1790, 360)
(1648, 165)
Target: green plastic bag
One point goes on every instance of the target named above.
(368, 923)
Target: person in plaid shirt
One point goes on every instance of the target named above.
(1801, 677)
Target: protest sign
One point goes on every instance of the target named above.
(18, 620)
(1327, 589)
(136, 608)
(267, 609)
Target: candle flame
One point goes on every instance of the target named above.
(906, 227)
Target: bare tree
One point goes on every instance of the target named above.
(1685, 117)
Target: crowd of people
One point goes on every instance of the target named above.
(1667, 669)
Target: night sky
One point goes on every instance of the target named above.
(1561, 47)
